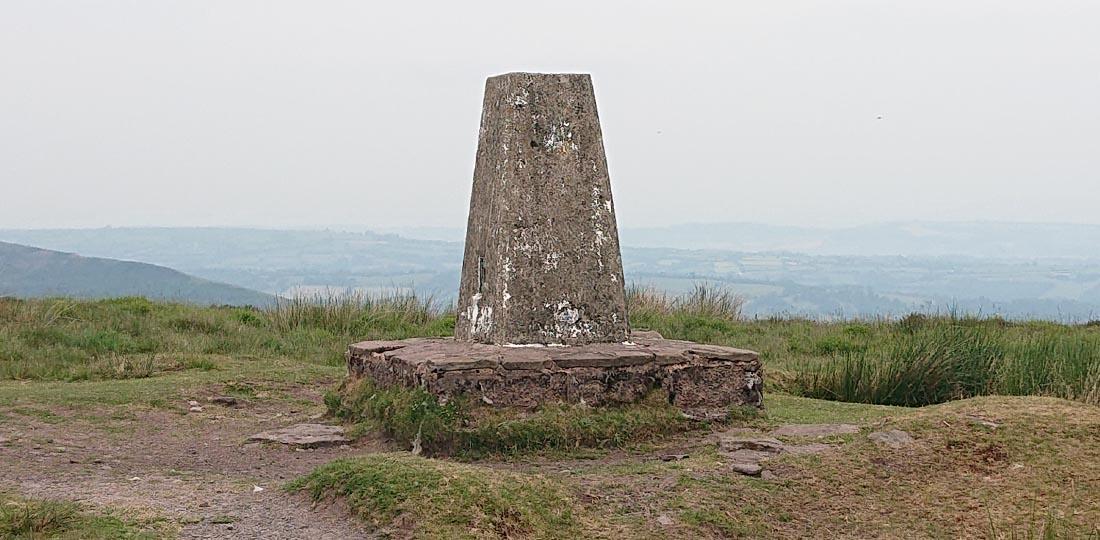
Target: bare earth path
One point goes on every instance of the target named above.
(189, 467)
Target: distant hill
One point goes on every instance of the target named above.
(28, 272)
(273, 261)
(1063, 284)
(910, 239)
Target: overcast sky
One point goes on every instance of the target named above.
(277, 113)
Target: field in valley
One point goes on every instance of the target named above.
(98, 439)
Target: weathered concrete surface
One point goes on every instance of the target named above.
(701, 380)
(304, 435)
(542, 261)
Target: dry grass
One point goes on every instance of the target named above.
(704, 301)
(1035, 476)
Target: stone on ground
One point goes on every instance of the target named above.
(304, 435)
(894, 438)
(745, 454)
(747, 468)
(765, 445)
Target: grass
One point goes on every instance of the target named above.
(914, 361)
(917, 360)
(1034, 476)
(1037, 475)
(59, 339)
(923, 360)
(454, 428)
(34, 519)
(703, 302)
(429, 499)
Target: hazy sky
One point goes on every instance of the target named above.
(273, 113)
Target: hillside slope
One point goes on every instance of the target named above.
(29, 272)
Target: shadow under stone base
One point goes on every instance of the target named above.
(701, 380)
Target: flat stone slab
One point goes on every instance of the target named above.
(745, 454)
(701, 380)
(815, 430)
(894, 438)
(304, 435)
(765, 446)
(747, 468)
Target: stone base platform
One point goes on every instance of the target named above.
(701, 380)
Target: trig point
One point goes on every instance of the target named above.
(542, 260)
(541, 312)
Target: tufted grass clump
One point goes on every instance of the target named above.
(33, 519)
(428, 499)
(413, 417)
(705, 301)
(922, 360)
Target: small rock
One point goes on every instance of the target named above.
(228, 401)
(663, 519)
(815, 430)
(192, 403)
(304, 435)
(257, 489)
(768, 475)
(747, 468)
(674, 457)
(486, 400)
(135, 478)
(894, 438)
(195, 409)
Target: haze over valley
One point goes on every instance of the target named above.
(1047, 271)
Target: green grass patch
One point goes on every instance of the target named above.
(923, 360)
(66, 340)
(431, 499)
(34, 519)
(457, 428)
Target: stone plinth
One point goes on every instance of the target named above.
(701, 380)
(542, 261)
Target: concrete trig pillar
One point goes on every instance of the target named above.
(542, 261)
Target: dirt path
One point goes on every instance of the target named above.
(194, 468)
